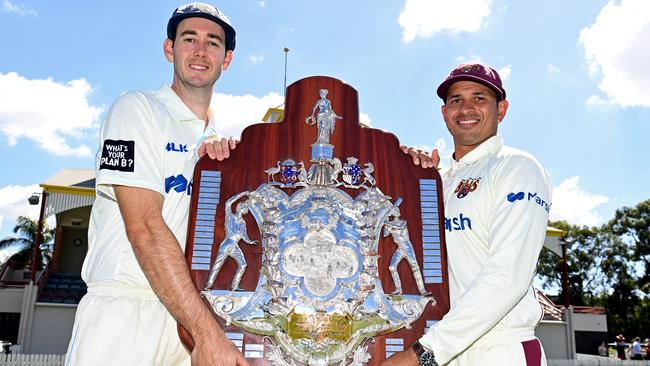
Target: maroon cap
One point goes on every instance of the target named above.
(479, 73)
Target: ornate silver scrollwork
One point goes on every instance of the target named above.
(318, 297)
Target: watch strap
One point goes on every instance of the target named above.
(425, 357)
(418, 348)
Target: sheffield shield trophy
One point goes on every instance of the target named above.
(318, 242)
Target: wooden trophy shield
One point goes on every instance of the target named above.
(318, 241)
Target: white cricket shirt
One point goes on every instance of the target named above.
(148, 140)
(497, 201)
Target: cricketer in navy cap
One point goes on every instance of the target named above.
(206, 11)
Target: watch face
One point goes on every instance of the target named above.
(427, 359)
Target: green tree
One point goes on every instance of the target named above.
(608, 266)
(26, 238)
(586, 278)
(626, 265)
(631, 226)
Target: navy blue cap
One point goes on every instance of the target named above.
(202, 10)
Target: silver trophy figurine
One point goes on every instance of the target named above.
(326, 118)
(235, 232)
(322, 151)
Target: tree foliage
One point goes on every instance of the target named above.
(586, 278)
(26, 239)
(607, 266)
(630, 228)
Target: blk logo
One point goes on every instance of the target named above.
(176, 147)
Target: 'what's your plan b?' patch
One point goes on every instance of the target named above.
(118, 155)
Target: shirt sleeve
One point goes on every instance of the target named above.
(518, 216)
(210, 134)
(131, 146)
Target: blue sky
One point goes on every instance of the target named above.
(575, 71)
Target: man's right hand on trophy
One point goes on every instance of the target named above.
(422, 158)
(217, 148)
(220, 353)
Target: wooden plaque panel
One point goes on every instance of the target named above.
(263, 145)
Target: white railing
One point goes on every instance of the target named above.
(596, 361)
(31, 360)
(59, 360)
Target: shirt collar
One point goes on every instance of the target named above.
(176, 108)
(489, 146)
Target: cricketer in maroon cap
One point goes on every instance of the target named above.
(497, 201)
(474, 104)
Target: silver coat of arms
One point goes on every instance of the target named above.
(319, 297)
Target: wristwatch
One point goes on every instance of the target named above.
(425, 358)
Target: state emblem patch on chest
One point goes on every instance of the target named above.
(466, 186)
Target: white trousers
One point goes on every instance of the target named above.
(529, 353)
(121, 326)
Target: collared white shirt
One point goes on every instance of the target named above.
(148, 140)
(497, 201)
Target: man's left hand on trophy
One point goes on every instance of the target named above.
(408, 358)
(217, 148)
(422, 158)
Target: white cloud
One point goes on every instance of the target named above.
(595, 100)
(365, 119)
(262, 3)
(573, 204)
(285, 31)
(13, 202)
(505, 72)
(232, 113)
(46, 112)
(552, 69)
(468, 59)
(426, 18)
(444, 152)
(616, 49)
(255, 59)
(9, 7)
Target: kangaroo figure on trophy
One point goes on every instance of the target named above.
(235, 232)
(400, 232)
